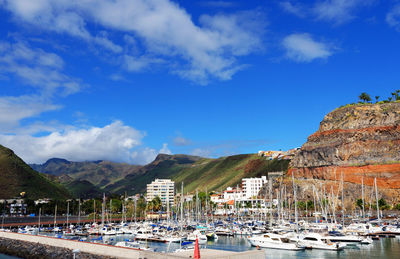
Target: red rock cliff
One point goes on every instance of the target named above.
(360, 141)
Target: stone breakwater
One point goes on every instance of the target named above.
(24, 249)
(360, 141)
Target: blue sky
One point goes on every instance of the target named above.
(124, 80)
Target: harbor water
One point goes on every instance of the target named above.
(3, 256)
(385, 248)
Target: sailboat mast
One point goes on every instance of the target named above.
(182, 207)
(102, 210)
(270, 203)
(94, 211)
(206, 208)
(55, 216)
(342, 202)
(40, 210)
(67, 214)
(377, 201)
(79, 213)
(295, 204)
(362, 196)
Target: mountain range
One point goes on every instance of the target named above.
(96, 177)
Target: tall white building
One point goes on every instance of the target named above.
(163, 188)
(252, 186)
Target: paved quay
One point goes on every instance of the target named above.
(121, 252)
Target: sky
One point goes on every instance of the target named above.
(124, 80)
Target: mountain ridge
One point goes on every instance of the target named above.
(16, 177)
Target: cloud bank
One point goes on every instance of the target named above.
(202, 51)
(115, 142)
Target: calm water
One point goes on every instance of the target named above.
(2, 256)
(388, 248)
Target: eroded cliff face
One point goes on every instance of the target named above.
(360, 141)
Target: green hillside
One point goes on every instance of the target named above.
(198, 173)
(83, 189)
(217, 174)
(164, 166)
(16, 177)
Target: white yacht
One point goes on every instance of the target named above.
(107, 231)
(274, 241)
(317, 241)
(199, 235)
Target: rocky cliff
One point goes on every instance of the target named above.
(362, 141)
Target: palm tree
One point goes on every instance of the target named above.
(156, 203)
(377, 98)
(364, 97)
(150, 206)
(396, 95)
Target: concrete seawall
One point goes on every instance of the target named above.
(107, 251)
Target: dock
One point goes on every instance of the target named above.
(122, 252)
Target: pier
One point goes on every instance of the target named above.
(122, 252)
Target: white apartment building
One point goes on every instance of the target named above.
(252, 186)
(163, 188)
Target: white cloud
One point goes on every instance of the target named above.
(219, 4)
(181, 141)
(15, 109)
(36, 67)
(202, 152)
(165, 149)
(113, 142)
(147, 155)
(295, 9)
(303, 48)
(139, 63)
(393, 17)
(338, 11)
(39, 69)
(117, 77)
(108, 44)
(201, 52)
(143, 156)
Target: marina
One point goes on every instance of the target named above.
(319, 240)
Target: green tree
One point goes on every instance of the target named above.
(202, 198)
(364, 97)
(383, 204)
(301, 205)
(157, 204)
(377, 98)
(395, 95)
(310, 205)
(397, 207)
(359, 203)
(116, 205)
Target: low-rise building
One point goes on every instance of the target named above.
(233, 194)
